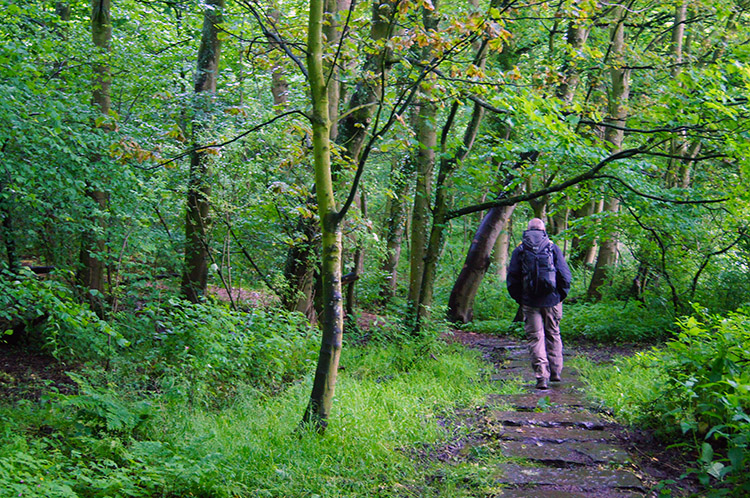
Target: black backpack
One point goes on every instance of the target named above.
(539, 272)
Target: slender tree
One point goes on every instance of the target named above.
(91, 273)
(197, 217)
(332, 324)
(614, 135)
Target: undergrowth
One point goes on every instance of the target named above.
(203, 402)
(695, 389)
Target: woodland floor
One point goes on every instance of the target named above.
(561, 446)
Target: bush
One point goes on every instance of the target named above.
(210, 345)
(52, 318)
(696, 387)
(629, 321)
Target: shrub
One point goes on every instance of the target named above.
(696, 388)
(216, 347)
(52, 317)
(629, 321)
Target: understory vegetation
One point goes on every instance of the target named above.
(694, 391)
(180, 399)
(199, 400)
(209, 209)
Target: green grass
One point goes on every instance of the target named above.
(627, 388)
(392, 405)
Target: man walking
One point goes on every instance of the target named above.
(539, 280)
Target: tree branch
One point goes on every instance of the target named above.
(231, 140)
(275, 37)
(656, 198)
(624, 154)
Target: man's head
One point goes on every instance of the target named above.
(536, 224)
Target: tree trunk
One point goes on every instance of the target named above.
(576, 38)
(502, 248)
(299, 271)
(333, 33)
(279, 84)
(617, 114)
(461, 300)
(678, 146)
(321, 398)
(424, 160)
(440, 211)
(352, 130)
(91, 268)
(424, 166)
(197, 218)
(583, 250)
(396, 224)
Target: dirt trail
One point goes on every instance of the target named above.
(560, 446)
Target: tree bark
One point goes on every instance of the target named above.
(197, 217)
(583, 250)
(93, 245)
(502, 248)
(355, 126)
(396, 224)
(424, 166)
(614, 135)
(321, 398)
(461, 300)
(352, 130)
(300, 269)
(440, 211)
(279, 84)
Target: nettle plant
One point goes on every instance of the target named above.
(708, 392)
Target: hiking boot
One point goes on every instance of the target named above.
(542, 383)
(554, 378)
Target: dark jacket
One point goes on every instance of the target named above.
(514, 280)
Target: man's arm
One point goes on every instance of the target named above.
(564, 276)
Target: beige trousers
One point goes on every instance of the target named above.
(545, 345)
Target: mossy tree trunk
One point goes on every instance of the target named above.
(614, 135)
(332, 324)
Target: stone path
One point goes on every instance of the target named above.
(558, 445)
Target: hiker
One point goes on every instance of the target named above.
(538, 280)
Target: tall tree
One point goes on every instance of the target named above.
(197, 217)
(424, 162)
(91, 274)
(614, 134)
(332, 323)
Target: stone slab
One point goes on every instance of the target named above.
(546, 419)
(537, 493)
(584, 478)
(586, 453)
(554, 434)
(546, 492)
(534, 400)
(516, 363)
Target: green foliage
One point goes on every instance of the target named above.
(105, 409)
(104, 442)
(697, 385)
(212, 348)
(53, 318)
(617, 321)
